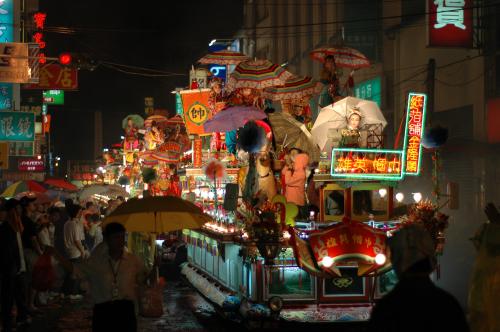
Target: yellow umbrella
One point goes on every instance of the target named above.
(158, 215)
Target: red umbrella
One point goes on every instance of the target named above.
(344, 56)
(61, 184)
(257, 74)
(224, 57)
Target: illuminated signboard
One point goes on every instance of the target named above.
(450, 23)
(39, 36)
(367, 163)
(380, 164)
(31, 165)
(415, 120)
(6, 35)
(53, 97)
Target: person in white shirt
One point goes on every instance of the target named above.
(75, 251)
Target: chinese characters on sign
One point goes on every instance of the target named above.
(349, 240)
(369, 90)
(56, 77)
(197, 152)
(450, 23)
(415, 118)
(17, 126)
(367, 163)
(196, 110)
(39, 37)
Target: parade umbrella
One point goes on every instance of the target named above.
(23, 186)
(224, 57)
(294, 88)
(136, 119)
(335, 116)
(344, 56)
(257, 74)
(158, 214)
(61, 184)
(102, 189)
(147, 159)
(291, 133)
(233, 118)
(154, 118)
(40, 198)
(165, 157)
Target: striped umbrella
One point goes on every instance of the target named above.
(166, 156)
(148, 160)
(23, 186)
(154, 118)
(344, 56)
(224, 57)
(257, 74)
(294, 88)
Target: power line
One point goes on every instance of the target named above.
(139, 73)
(368, 19)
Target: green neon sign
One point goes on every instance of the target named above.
(372, 176)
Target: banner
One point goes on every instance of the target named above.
(56, 77)
(197, 152)
(14, 67)
(196, 110)
(349, 240)
(17, 126)
(450, 23)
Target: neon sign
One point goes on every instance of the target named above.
(415, 120)
(367, 163)
(381, 164)
(38, 36)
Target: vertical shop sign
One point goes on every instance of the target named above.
(6, 35)
(415, 121)
(197, 152)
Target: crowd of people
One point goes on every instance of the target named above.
(32, 236)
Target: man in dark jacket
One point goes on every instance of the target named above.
(12, 266)
(416, 304)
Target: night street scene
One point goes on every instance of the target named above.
(250, 165)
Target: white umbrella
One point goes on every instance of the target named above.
(335, 116)
(102, 189)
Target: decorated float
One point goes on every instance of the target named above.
(302, 198)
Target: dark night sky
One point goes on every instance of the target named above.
(163, 35)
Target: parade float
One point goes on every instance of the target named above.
(301, 201)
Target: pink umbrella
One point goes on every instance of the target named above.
(233, 118)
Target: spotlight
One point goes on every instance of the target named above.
(400, 197)
(382, 192)
(380, 259)
(327, 261)
(417, 197)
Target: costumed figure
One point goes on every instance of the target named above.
(295, 180)
(350, 136)
(216, 102)
(154, 137)
(131, 136)
(331, 91)
(484, 302)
